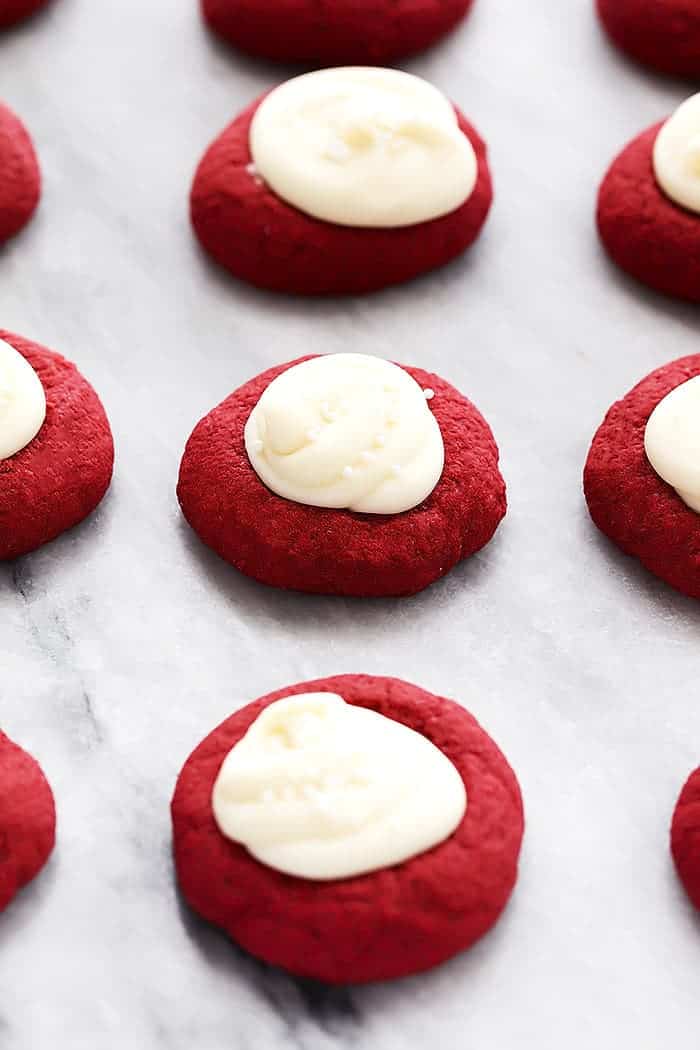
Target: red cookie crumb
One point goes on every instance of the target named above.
(646, 233)
(685, 837)
(62, 474)
(260, 238)
(27, 819)
(297, 547)
(12, 11)
(663, 34)
(334, 32)
(389, 923)
(20, 179)
(627, 499)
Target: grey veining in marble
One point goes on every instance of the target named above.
(124, 642)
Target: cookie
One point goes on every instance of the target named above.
(335, 32)
(661, 34)
(628, 500)
(20, 180)
(329, 550)
(685, 837)
(59, 477)
(263, 239)
(27, 819)
(651, 236)
(384, 924)
(12, 11)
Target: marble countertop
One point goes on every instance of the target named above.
(124, 642)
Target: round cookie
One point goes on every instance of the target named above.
(336, 32)
(59, 478)
(388, 923)
(12, 11)
(627, 499)
(685, 837)
(27, 819)
(261, 239)
(662, 34)
(20, 179)
(327, 551)
(644, 231)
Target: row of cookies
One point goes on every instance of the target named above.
(345, 473)
(664, 36)
(661, 34)
(351, 179)
(304, 31)
(348, 829)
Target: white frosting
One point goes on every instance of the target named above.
(22, 401)
(363, 146)
(346, 431)
(677, 155)
(324, 790)
(672, 441)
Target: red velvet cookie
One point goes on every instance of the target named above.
(27, 819)
(627, 499)
(260, 238)
(662, 34)
(644, 231)
(12, 11)
(299, 547)
(20, 179)
(334, 32)
(389, 923)
(62, 474)
(685, 837)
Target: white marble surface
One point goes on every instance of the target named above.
(124, 642)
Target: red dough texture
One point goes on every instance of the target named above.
(253, 233)
(297, 547)
(20, 179)
(27, 819)
(644, 231)
(663, 34)
(386, 924)
(12, 11)
(58, 478)
(333, 32)
(628, 500)
(685, 837)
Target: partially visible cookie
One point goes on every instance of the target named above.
(628, 500)
(334, 32)
(12, 11)
(60, 475)
(20, 179)
(27, 819)
(388, 922)
(649, 205)
(685, 837)
(661, 34)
